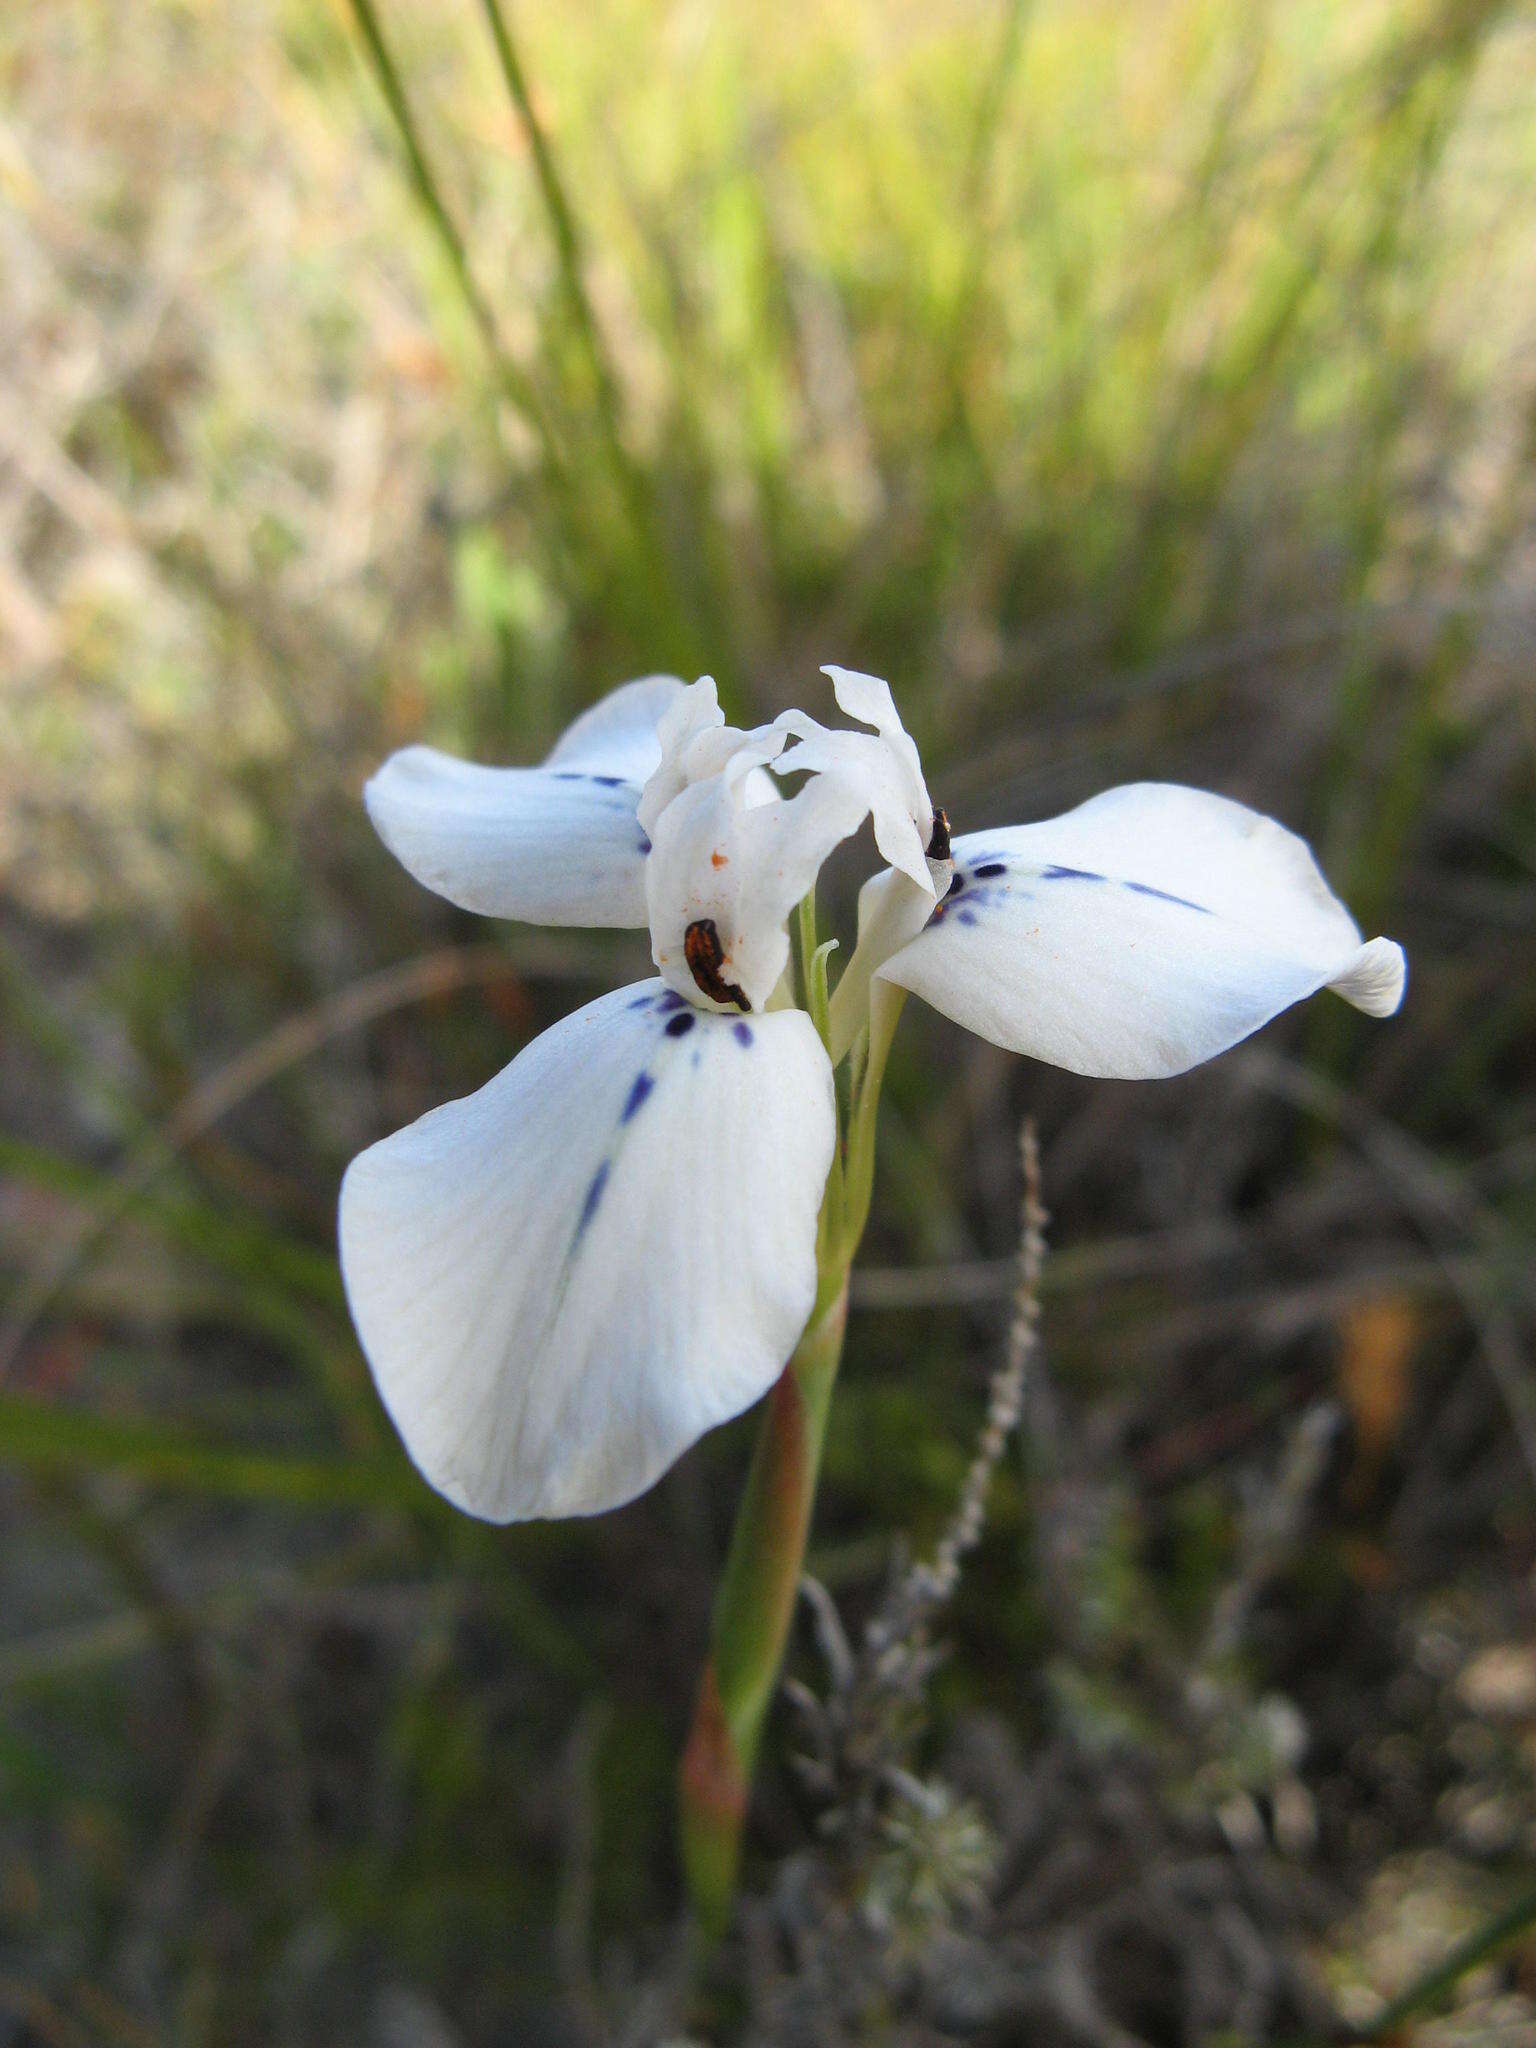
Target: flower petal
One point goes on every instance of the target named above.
(618, 735)
(868, 699)
(558, 844)
(892, 911)
(1144, 932)
(696, 743)
(884, 765)
(564, 1280)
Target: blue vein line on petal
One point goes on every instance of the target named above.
(593, 1196)
(640, 1088)
(596, 1187)
(1057, 873)
(1163, 896)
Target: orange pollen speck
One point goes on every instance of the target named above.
(719, 860)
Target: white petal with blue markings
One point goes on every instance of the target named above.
(1147, 930)
(564, 1280)
(556, 844)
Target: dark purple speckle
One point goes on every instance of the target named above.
(643, 1084)
(741, 1032)
(1059, 874)
(639, 1002)
(966, 916)
(680, 1025)
(993, 867)
(608, 781)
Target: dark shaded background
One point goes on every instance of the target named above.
(1148, 391)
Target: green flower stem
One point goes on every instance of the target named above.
(756, 1601)
(869, 1057)
(754, 1608)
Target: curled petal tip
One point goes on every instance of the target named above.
(1375, 979)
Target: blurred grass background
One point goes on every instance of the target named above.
(1147, 391)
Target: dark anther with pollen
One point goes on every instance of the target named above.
(938, 845)
(704, 953)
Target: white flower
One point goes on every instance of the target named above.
(564, 1280)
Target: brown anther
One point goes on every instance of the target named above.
(938, 845)
(705, 956)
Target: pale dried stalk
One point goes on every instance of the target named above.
(862, 1733)
(929, 1586)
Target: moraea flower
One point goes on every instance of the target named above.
(562, 1281)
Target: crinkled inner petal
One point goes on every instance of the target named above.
(868, 699)
(693, 717)
(864, 760)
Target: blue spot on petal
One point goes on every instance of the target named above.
(593, 1196)
(741, 1032)
(1162, 895)
(643, 845)
(1055, 874)
(671, 1000)
(608, 781)
(957, 883)
(639, 1003)
(680, 1025)
(643, 1084)
(966, 916)
(993, 867)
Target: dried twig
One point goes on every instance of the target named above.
(928, 1586)
(860, 1734)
